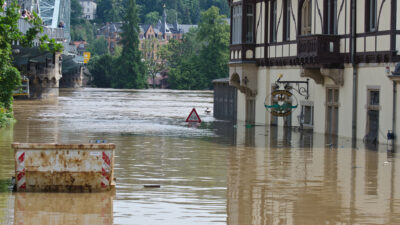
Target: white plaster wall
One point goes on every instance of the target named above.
(360, 44)
(383, 43)
(384, 21)
(241, 106)
(370, 44)
(346, 103)
(360, 16)
(316, 21)
(260, 22)
(279, 5)
(293, 49)
(263, 88)
(293, 22)
(343, 17)
(278, 51)
(398, 17)
(374, 75)
(398, 42)
(397, 132)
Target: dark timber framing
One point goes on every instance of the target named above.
(316, 62)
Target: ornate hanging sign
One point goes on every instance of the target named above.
(281, 102)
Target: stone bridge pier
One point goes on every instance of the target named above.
(43, 69)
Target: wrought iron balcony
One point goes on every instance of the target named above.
(319, 49)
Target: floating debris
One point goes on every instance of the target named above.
(152, 186)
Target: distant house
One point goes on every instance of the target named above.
(80, 47)
(89, 9)
(111, 32)
(153, 37)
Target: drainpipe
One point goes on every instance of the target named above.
(355, 80)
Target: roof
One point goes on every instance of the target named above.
(144, 27)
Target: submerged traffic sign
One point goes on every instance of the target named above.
(193, 117)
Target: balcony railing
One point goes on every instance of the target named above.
(321, 49)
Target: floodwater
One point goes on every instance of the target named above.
(216, 173)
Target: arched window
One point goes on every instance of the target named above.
(306, 18)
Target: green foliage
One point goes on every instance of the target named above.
(131, 71)
(127, 70)
(110, 10)
(85, 31)
(201, 56)
(98, 46)
(152, 18)
(214, 54)
(188, 10)
(76, 13)
(10, 77)
(102, 70)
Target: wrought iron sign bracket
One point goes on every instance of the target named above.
(300, 87)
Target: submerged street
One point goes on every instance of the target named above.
(216, 173)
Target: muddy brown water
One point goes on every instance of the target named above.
(217, 173)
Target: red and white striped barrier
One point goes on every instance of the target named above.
(106, 170)
(20, 168)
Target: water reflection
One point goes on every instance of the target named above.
(60, 208)
(305, 178)
(216, 173)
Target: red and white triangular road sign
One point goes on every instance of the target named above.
(193, 117)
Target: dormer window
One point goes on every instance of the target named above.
(237, 24)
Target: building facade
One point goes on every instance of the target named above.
(88, 9)
(345, 49)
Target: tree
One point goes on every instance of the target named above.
(10, 77)
(101, 68)
(131, 70)
(201, 56)
(98, 47)
(76, 12)
(151, 58)
(110, 10)
(152, 18)
(214, 54)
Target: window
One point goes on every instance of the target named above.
(307, 116)
(330, 11)
(370, 15)
(373, 97)
(306, 18)
(273, 21)
(237, 25)
(372, 132)
(286, 19)
(250, 23)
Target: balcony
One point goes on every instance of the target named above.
(319, 49)
(242, 53)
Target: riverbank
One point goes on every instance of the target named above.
(6, 117)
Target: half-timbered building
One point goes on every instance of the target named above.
(346, 49)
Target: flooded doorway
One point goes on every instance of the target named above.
(372, 133)
(332, 110)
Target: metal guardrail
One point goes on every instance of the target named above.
(55, 33)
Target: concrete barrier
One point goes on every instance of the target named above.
(64, 167)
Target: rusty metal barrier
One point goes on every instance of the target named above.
(64, 167)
